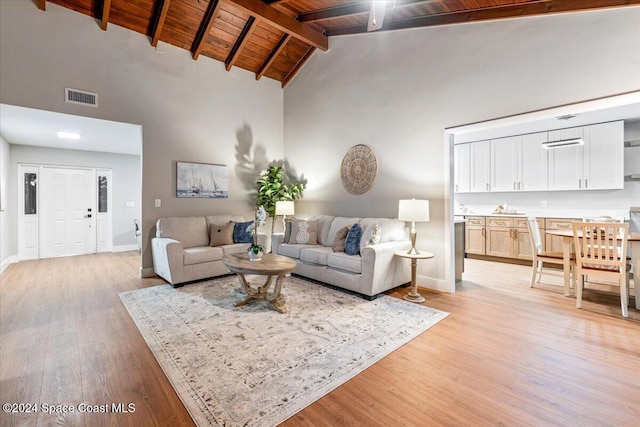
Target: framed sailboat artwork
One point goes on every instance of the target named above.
(201, 180)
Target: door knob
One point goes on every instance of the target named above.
(88, 216)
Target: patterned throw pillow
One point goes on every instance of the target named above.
(287, 229)
(352, 244)
(240, 233)
(304, 232)
(371, 235)
(339, 241)
(221, 234)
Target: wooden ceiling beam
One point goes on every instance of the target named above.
(283, 22)
(273, 55)
(240, 42)
(295, 70)
(205, 26)
(531, 8)
(157, 30)
(42, 4)
(106, 7)
(271, 2)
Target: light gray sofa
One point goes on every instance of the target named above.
(181, 251)
(373, 271)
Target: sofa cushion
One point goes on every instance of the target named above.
(316, 255)
(220, 234)
(352, 244)
(342, 261)
(292, 250)
(324, 224)
(202, 254)
(337, 223)
(236, 248)
(340, 239)
(243, 232)
(190, 231)
(304, 232)
(371, 235)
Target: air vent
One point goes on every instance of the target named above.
(75, 96)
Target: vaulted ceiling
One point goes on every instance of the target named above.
(274, 38)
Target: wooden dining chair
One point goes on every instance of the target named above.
(601, 252)
(540, 256)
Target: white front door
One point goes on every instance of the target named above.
(68, 220)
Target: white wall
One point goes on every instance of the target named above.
(126, 183)
(189, 110)
(5, 221)
(398, 91)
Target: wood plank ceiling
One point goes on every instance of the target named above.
(274, 38)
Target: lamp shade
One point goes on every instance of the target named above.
(285, 207)
(413, 210)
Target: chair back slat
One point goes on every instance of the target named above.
(601, 244)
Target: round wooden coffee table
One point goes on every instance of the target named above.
(270, 265)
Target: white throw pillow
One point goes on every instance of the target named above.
(371, 235)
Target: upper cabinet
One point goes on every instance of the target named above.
(519, 163)
(596, 164)
(480, 161)
(581, 158)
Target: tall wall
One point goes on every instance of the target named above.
(126, 185)
(5, 220)
(398, 91)
(189, 110)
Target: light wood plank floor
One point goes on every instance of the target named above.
(507, 355)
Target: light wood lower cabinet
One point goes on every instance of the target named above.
(506, 237)
(474, 235)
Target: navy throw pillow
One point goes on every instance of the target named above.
(352, 244)
(240, 233)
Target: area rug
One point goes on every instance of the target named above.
(250, 365)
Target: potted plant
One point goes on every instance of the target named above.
(260, 218)
(272, 189)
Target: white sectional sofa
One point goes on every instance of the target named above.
(369, 273)
(181, 251)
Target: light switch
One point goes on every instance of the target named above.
(131, 204)
(158, 203)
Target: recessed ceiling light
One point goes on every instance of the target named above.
(68, 135)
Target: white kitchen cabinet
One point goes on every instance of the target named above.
(461, 168)
(480, 171)
(597, 164)
(566, 163)
(519, 163)
(604, 156)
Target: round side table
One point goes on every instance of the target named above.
(413, 295)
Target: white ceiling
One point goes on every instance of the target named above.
(26, 126)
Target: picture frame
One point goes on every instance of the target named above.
(201, 180)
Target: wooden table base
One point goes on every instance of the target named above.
(261, 293)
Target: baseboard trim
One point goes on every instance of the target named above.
(433, 284)
(147, 272)
(125, 248)
(7, 262)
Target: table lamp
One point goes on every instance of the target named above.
(284, 208)
(413, 210)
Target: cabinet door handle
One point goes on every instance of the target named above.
(515, 234)
(579, 183)
(514, 185)
(511, 233)
(519, 185)
(483, 233)
(456, 188)
(487, 186)
(586, 183)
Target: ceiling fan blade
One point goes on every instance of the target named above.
(376, 15)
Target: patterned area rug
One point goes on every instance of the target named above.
(250, 365)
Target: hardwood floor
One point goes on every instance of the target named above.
(507, 355)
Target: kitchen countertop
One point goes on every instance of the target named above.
(547, 214)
